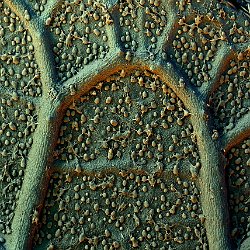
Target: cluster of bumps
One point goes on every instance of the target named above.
(126, 160)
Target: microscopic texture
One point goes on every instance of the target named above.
(238, 189)
(124, 124)
(21, 90)
(97, 212)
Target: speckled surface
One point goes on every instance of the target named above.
(124, 124)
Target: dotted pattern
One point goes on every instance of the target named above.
(130, 125)
(231, 101)
(136, 117)
(20, 88)
(195, 46)
(19, 73)
(121, 211)
(129, 140)
(78, 30)
(238, 190)
(202, 29)
(141, 22)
